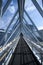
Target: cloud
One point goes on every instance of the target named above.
(40, 28)
(2, 24)
(32, 8)
(11, 3)
(29, 5)
(11, 9)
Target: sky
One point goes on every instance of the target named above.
(34, 14)
(29, 7)
(8, 15)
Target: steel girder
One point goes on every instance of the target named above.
(12, 34)
(28, 34)
(32, 34)
(38, 7)
(9, 25)
(6, 6)
(42, 2)
(14, 26)
(28, 27)
(33, 24)
(25, 32)
(21, 10)
(0, 7)
(27, 22)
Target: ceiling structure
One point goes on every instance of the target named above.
(22, 16)
(28, 12)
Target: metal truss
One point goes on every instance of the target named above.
(6, 6)
(38, 7)
(9, 26)
(33, 24)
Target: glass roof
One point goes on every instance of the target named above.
(14, 22)
(8, 15)
(40, 3)
(34, 14)
(30, 9)
(19, 17)
(27, 19)
(4, 2)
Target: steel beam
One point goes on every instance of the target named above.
(38, 7)
(33, 24)
(12, 34)
(28, 26)
(26, 21)
(21, 10)
(38, 42)
(14, 26)
(42, 3)
(0, 7)
(28, 34)
(6, 6)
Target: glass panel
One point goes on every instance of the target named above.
(6, 19)
(30, 26)
(14, 22)
(27, 19)
(40, 3)
(10, 12)
(34, 14)
(4, 2)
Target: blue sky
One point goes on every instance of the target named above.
(29, 7)
(5, 20)
(34, 14)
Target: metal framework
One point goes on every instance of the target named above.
(38, 7)
(21, 10)
(20, 25)
(42, 2)
(21, 13)
(0, 6)
(9, 25)
(33, 23)
(30, 29)
(31, 33)
(14, 27)
(6, 6)
(28, 34)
